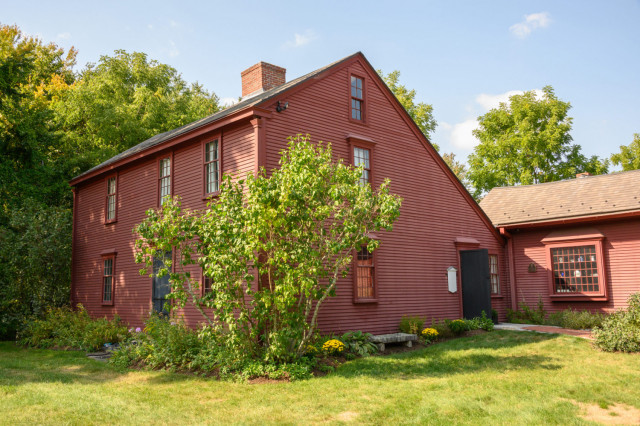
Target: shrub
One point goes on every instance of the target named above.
(442, 327)
(458, 326)
(620, 331)
(577, 320)
(411, 325)
(429, 334)
(333, 347)
(358, 343)
(528, 315)
(480, 323)
(66, 328)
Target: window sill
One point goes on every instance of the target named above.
(107, 303)
(361, 122)
(579, 298)
(207, 197)
(111, 222)
(497, 296)
(365, 301)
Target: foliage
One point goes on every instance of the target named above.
(528, 315)
(359, 343)
(577, 320)
(121, 101)
(442, 327)
(421, 113)
(333, 347)
(411, 325)
(527, 141)
(273, 246)
(429, 334)
(629, 156)
(66, 328)
(458, 326)
(494, 316)
(458, 168)
(620, 331)
(480, 323)
(35, 253)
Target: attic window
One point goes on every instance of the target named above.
(357, 98)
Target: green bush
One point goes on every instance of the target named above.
(458, 326)
(577, 320)
(358, 343)
(411, 325)
(620, 331)
(66, 328)
(527, 315)
(480, 323)
(442, 327)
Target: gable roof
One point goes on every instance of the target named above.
(244, 104)
(570, 199)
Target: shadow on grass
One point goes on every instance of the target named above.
(19, 366)
(487, 352)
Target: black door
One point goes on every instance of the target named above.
(476, 284)
(161, 286)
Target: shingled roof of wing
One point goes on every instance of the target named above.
(250, 102)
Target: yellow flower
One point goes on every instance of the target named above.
(333, 346)
(430, 333)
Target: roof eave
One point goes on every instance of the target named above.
(570, 220)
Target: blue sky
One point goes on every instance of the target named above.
(463, 57)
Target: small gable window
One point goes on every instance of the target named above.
(212, 167)
(110, 213)
(357, 98)
(164, 179)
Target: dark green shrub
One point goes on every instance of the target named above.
(620, 331)
(66, 328)
(411, 325)
(578, 320)
(527, 315)
(458, 326)
(494, 316)
(358, 343)
(442, 328)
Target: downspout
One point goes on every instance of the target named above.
(512, 268)
(74, 228)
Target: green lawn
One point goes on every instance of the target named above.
(500, 377)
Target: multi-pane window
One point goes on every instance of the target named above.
(575, 269)
(212, 167)
(365, 274)
(206, 284)
(357, 98)
(362, 157)
(111, 199)
(107, 280)
(165, 179)
(494, 274)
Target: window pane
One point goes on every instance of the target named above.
(365, 273)
(212, 177)
(165, 167)
(165, 188)
(211, 151)
(575, 269)
(111, 186)
(111, 207)
(107, 289)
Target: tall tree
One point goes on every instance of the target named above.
(629, 155)
(121, 101)
(527, 141)
(457, 167)
(421, 113)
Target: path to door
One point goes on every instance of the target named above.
(585, 334)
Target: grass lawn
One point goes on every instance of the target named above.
(499, 377)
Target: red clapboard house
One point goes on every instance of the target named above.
(573, 243)
(443, 259)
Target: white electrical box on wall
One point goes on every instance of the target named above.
(452, 275)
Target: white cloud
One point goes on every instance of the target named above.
(530, 23)
(301, 39)
(173, 23)
(64, 36)
(150, 26)
(461, 136)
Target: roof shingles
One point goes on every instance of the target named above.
(573, 198)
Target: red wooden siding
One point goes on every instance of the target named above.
(620, 246)
(412, 261)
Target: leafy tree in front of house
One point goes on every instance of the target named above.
(629, 155)
(457, 167)
(274, 248)
(527, 141)
(421, 113)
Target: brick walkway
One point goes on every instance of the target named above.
(585, 334)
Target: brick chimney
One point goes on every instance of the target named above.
(581, 175)
(261, 77)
